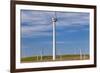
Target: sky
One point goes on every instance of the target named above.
(72, 32)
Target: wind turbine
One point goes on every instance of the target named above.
(41, 54)
(54, 20)
(81, 54)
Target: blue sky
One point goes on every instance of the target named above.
(72, 32)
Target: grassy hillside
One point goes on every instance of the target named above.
(58, 58)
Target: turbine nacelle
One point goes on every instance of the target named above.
(54, 19)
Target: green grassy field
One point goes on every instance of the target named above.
(49, 58)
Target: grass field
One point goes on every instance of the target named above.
(49, 58)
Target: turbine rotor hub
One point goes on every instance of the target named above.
(54, 19)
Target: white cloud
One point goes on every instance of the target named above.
(60, 42)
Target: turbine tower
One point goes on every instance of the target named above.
(54, 20)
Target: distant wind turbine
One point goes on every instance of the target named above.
(80, 54)
(41, 54)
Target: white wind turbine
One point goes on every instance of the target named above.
(54, 20)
